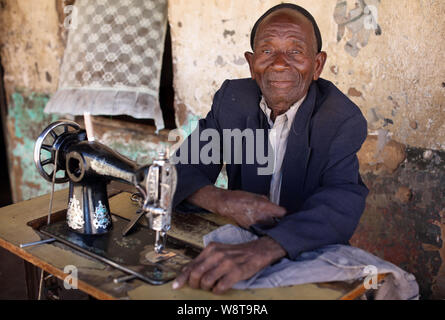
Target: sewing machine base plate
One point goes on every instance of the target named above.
(133, 254)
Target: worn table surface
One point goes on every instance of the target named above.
(95, 278)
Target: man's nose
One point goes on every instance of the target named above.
(280, 62)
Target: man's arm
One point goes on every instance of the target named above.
(196, 179)
(245, 208)
(220, 266)
(331, 214)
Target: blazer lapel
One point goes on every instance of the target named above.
(251, 180)
(297, 154)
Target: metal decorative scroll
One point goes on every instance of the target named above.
(113, 59)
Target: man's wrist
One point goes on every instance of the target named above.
(209, 198)
(273, 249)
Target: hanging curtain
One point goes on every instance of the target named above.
(113, 59)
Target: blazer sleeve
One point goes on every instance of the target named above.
(192, 173)
(331, 213)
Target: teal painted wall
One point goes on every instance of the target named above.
(25, 121)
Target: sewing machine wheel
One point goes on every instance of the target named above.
(48, 143)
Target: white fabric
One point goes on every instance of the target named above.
(326, 264)
(113, 59)
(278, 140)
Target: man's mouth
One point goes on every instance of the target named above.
(281, 83)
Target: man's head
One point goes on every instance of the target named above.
(287, 55)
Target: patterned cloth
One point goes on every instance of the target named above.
(113, 59)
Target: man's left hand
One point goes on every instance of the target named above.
(220, 266)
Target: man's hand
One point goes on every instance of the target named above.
(244, 207)
(220, 266)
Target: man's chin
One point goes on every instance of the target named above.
(282, 85)
(279, 96)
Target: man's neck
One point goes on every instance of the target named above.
(279, 109)
(272, 114)
(277, 112)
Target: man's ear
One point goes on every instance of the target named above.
(249, 58)
(320, 60)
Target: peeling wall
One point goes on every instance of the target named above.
(404, 219)
(31, 45)
(387, 56)
(31, 49)
(25, 121)
(393, 69)
(32, 42)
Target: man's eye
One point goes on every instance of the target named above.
(295, 51)
(267, 51)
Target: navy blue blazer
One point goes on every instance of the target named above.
(321, 188)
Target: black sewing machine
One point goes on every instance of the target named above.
(63, 153)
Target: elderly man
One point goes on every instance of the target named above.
(314, 196)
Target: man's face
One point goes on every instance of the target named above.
(285, 59)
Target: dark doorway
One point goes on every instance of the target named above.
(5, 186)
(166, 91)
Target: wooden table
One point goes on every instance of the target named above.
(95, 278)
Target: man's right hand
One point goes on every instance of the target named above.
(244, 207)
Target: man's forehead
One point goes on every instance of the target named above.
(285, 19)
(292, 13)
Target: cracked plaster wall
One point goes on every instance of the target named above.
(393, 72)
(387, 56)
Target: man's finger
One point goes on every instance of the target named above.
(227, 281)
(182, 279)
(273, 210)
(184, 276)
(209, 262)
(209, 279)
(186, 273)
(279, 214)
